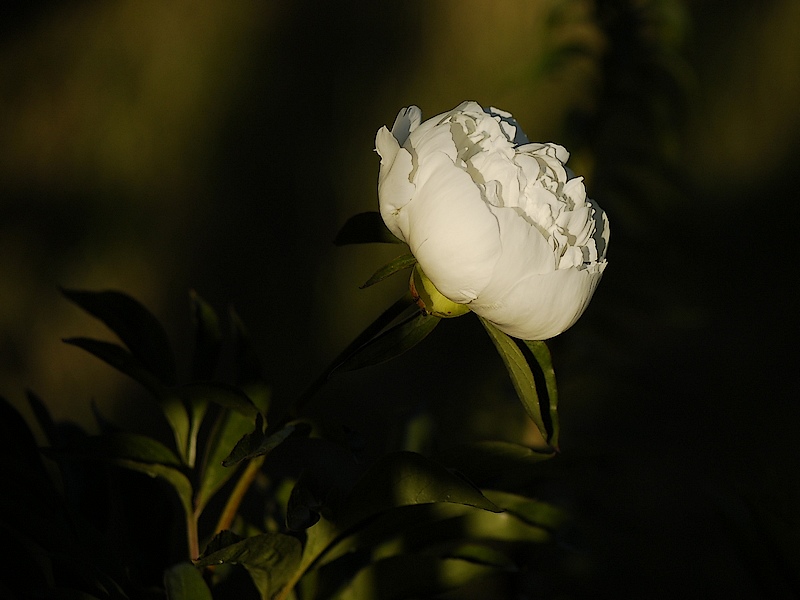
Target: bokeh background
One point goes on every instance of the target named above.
(157, 147)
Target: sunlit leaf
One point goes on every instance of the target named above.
(412, 576)
(208, 338)
(398, 264)
(365, 228)
(404, 479)
(391, 343)
(270, 558)
(138, 329)
(531, 511)
(185, 582)
(522, 376)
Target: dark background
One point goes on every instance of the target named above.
(155, 148)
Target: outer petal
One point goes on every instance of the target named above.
(395, 188)
(408, 119)
(451, 230)
(542, 306)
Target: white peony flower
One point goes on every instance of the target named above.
(496, 223)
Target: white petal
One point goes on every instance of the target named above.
(395, 189)
(542, 306)
(407, 120)
(452, 232)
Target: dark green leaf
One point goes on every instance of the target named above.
(230, 427)
(208, 338)
(258, 444)
(365, 228)
(398, 264)
(171, 403)
(221, 394)
(522, 376)
(270, 558)
(391, 343)
(138, 329)
(123, 445)
(185, 582)
(135, 452)
(546, 372)
(43, 417)
(249, 376)
(120, 359)
(495, 464)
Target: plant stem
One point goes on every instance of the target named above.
(191, 535)
(237, 495)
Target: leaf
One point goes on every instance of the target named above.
(138, 329)
(522, 376)
(398, 264)
(544, 360)
(135, 452)
(230, 427)
(531, 511)
(221, 394)
(119, 358)
(495, 464)
(185, 582)
(172, 405)
(208, 338)
(270, 558)
(258, 444)
(43, 417)
(391, 343)
(365, 228)
(412, 576)
(249, 376)
(405, 479)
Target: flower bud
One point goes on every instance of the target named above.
(500, 225)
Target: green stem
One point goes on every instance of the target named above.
(237, 495)
(191, 535)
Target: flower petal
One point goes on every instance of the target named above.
(395, 188)
(540, 307)
(454, 236)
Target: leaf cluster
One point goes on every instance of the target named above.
(249, 499)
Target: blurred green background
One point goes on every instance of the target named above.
(155, 147)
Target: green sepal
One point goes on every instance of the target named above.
(521, 359)
(365, 228)
(400, 263)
